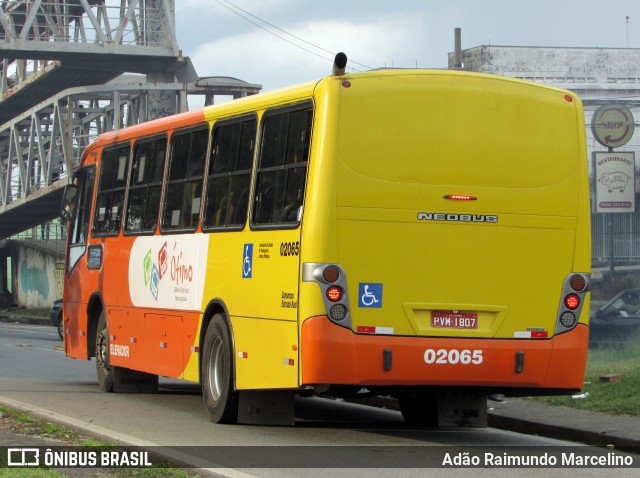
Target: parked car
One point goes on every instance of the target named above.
(617, 321)
(56, 317)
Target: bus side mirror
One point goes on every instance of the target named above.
(68, 207)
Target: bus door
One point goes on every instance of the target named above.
(78, 261)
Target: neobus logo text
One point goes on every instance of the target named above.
(431, 216)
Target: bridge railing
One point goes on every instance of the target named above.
(133, 22)
(50, 29)
(44, 144)
(49, 237)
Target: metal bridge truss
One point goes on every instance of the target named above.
(51, 29)
(51, 51)
(50, 45)
(40, 148)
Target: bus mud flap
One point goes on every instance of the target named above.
(457, 409)
(266, 407)
(132, 381)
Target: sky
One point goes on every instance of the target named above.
(379, 33)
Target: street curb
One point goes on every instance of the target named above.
(565, 423)
(601, 438)
(562, 423)
(21, 319)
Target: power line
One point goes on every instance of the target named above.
(236, 9)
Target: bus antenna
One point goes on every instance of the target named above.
(339, 64)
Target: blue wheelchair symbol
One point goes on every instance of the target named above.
(247, 262)
(370, 295)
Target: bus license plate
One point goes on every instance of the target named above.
(454, 319)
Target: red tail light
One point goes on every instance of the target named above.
(460, 197)
(331, 274)
(578, 283)
(334, 293)
(572, 301)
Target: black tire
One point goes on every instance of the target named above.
(220, 398)
(419, 407)
(60, 326)
(103, 367)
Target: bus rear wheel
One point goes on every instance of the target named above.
(103, 368)
(220, 399)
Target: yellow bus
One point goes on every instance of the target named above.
(417, 234)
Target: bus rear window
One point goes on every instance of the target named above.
(282, 167)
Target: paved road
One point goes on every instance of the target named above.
(35, 374)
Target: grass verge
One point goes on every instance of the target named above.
(23, 424)
(615, 398)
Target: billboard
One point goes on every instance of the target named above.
(614, 181)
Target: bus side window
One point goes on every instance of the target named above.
(110, 197)
(145, 184)
(184, 180)
(80, 225)
(229, 176)
(282, 167)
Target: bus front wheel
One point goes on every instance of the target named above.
(220, 399)
(61, 327)
(103, 368)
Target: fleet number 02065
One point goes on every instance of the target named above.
(453, 356)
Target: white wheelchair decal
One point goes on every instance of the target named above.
(370, 295)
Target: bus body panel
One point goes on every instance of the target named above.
(80, 283)
(489, 272)
(501, 258)
(514, 148)
(75, 341)
(108, 284)
(256, 275)
(334, 355)
(266, 353)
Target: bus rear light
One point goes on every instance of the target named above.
(331, 274)
(568, 320)
(578, 282)
(572, 301)
(332, 282)
(575, 294)
(338, 312)
(568, 98)
(334, 293)
(460, 197)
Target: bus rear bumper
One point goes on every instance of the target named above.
(334, 355)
